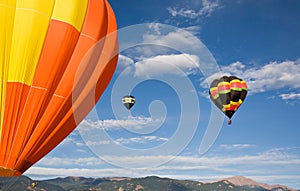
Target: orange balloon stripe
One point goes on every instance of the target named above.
(58, 57)
(90, 94)
(87, 40)
(45, 80)
(68, 124)
(60, 42)
(46, 130)
(54, 124)
(96, 16)
(16, 94)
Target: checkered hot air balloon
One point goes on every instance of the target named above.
(228, 93)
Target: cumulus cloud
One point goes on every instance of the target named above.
(208, 7)
(137, 122)
(193, 29)
(164, 52)
(176, 38)
(180, 64)
(124, 62)
(274, 76)
(164, 58)
(290, 96)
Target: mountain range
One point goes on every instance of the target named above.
(151, 183)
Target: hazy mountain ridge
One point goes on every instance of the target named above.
(151, 183)
(243, 181)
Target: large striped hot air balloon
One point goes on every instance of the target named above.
(55, 55)
(228, 93)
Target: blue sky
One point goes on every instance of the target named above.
(169, 52)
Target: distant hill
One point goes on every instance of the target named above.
(151, 183)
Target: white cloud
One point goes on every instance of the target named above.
(73, 139)
(141, 139)
(179, 64)
(98, 143)
(70, 162)
(159, 54)
(125, 141)
(124, 62)
(290, 96)
(283, 157)
(208, 7)
(272, 76)
(161, 59)
(137, 122)
(193, 29)
(176, 38)
(85, 172)
(155, 27)
(235, 68)
(189, 13)
(236, 146)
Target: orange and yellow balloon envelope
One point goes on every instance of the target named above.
(46, 75)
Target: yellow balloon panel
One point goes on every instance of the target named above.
(43, 7)
(7, 12)
(74, 14)
(28, 38)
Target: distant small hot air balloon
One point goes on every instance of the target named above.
(128, 101)
(34, 184)
(228, 93)
(56, 56)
